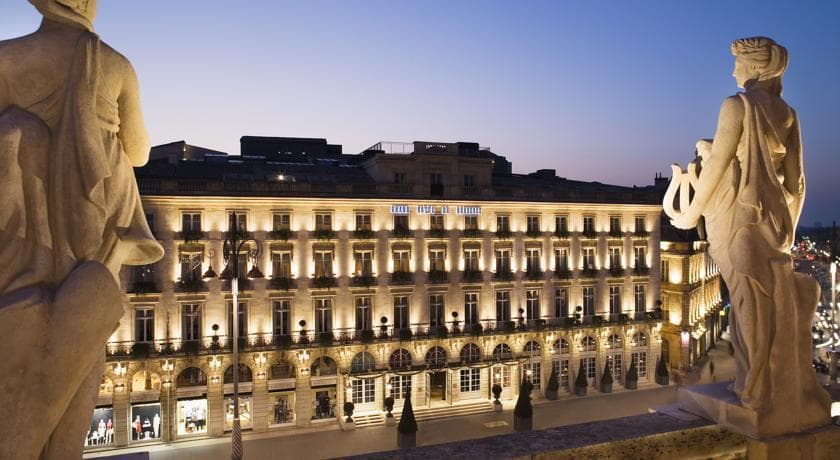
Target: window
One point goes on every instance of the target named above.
(615, 300)
(561, 346)
(664, 270)
(190, 222)
(588, 343)
(281, 264)
(532, 260)
(615, 225)
(501, 376)
(561, 224)
(323, 221)
(588, 301)
(437, 260)
(588, 225)
(615, 258)
(532, 224)
(436, 307)
(503, 223)
(399, 178)
(323, 315)
(640, 256)
(400, 359)
(242, 318)
(144, 273)
(400, 312)
(190, 321)
(362, 362)
(401, 257)
(239, 219)
(400, 386)
(561, 259)
(323, 263)
(532, 349)
(614, 363)
(503, 260)
(400, 223)
(534, 368)
(471, 308)
(281, 221)
(640, 224)
(639, 297)
(471, 353)
(502, 352)
(471, 260)
(436, 179)
(561, 302)
(588, 258)
(502, 306)
(561, 366)
(614, 342)
(364, 314)
(364, 262)
(363, 390)
(436, 357)
(282, 316)
(363, 222)
(532, 304)
(640, 360)
(190, 267)
(640, 339)
(470, 380)
(471, 223)
(469, 181)
(144, 324)
(436, 222)
(589, 368)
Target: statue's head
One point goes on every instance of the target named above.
(79, 12)
(758, 59)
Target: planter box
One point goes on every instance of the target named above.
(523, 423)
(551, 394)
(606, 388)
(497, 407)
(406, 441)
(580, 391)
(631, 384)
(390, 421)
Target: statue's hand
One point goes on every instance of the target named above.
(704, 148)
(688, 219)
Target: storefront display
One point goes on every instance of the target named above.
(244, 411)
(281, 408)
(192, 416)
(145, 422)
(324, 403)
(101, 430)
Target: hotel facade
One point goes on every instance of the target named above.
(422, 269)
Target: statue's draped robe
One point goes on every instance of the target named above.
(750, 230)
(73, 198)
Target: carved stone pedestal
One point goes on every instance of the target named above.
(819, 443)
(716, 402)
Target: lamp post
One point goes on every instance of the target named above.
(235, 240)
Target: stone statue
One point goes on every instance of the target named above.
(748, 195)
(70, 132)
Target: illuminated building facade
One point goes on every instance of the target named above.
(418, 268)
(692, 299)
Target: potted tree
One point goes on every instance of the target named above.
(383, 328)
(407, 428)
(523, 412)
(580, 381)
(348, 411)
(606, 379)
(522, 326)
(304, 339)
(631, 381)
(389, 406)
(553, 385)
(497, 392)
(662, 376)
(455, 322)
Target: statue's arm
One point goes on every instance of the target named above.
(794, 176)
(135, 139)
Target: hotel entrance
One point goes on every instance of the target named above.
(437, 386)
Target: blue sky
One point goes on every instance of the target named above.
(599, 90)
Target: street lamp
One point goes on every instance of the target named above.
(235, 240)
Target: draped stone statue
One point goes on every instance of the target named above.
(70, 132)
(748, 188)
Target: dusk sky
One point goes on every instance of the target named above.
(606, 91)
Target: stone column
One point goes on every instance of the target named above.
(259, 409)
(167, 414)
(215, 411)
(121, 417)
(303, 398)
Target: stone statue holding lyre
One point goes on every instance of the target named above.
(70, 132)
(746, 187)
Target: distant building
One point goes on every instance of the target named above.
(426, 267)
(691, 297)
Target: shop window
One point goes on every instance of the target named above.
(245, 416)
(145, 422)
(101, 430)
(191, 417)
(324, 404)
(282, 406)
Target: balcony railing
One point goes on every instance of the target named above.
(324, 234)
(562, 273)
(282, 283)
(144, 287)
(401, 232)
(188, 286)
(365, 234)
(503, 275)
(616, 272)
(641, 270)
(437, 233)
(363, 280)
(589, 272)
(562, 234)
(589, 234)
(281, 235)
(535, 274)
(471, 276)
(402, 278)
(324, 282)
(472, 233)
(615, 233)
(191, 235)
(438, 276)
(503, 234)
(244, 284)
(533, 233)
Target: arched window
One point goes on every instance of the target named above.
(400, 359)
(640, 339)
(191, 377)
(614, 342)
(362, 362)
(471, 353)
(107, 386)
(282, 370)
(436, 357)
(533, 349)
(588, 344)
(502, 351)
(323, 366)
(561, 346)
(245, 374)
(142, 381)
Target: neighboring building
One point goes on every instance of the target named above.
(426, 268)
(691, 297)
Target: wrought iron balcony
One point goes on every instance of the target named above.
(402, 278)
(282, 283)
(438, 276)
(471, 276)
